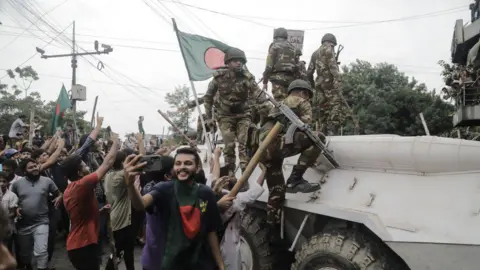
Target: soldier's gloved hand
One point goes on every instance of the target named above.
(265, 87)
(209, 123)
(337, 84)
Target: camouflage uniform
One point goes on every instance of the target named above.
(328, 106)
(302, 70)
(277, 151)
(281, 67)
(236, 93)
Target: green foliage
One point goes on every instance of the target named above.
(180, 116)
(15, 100)
(386, 101)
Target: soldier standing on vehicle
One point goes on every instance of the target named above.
(281, 67)
(237, 91)
(330, 111)
(302, 70)
(298, 100)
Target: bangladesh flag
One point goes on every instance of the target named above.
(63, 103)
(202, 55)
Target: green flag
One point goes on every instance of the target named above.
(63, 103)
(202, 55)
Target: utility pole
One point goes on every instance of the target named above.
(78, 92)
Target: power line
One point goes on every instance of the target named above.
(33, 55)
(359, 23)
(45, 14)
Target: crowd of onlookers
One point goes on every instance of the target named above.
(106, 197)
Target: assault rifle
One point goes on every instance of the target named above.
(297, 123)
(354, 118)
(340, 49)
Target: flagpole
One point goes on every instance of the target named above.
(192, 85)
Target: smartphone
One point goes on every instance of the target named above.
(154, 163)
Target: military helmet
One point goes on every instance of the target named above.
(329, 37)
(301, 84)
(280, 33)
(298, 52)
(235, 53)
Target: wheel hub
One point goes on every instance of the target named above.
(246, 254)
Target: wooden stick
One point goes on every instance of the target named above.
(165, 116)
(425, 127)
(255, 159)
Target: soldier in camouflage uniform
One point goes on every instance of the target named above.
(299, 94)
(237, 91)
(302, 70)
(281, 68)
(330, 111)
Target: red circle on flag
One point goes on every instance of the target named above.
(214, 58)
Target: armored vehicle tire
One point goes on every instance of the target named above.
(342, 250)
(256, 252)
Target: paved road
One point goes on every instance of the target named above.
(62, 262)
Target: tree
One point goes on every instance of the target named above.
(386, 101)
(178, 101)
(26, 76)
(13, 103)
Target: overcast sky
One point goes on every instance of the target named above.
(412, 34)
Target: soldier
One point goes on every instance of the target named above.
(281, 65)
(302, 70)
(329, 111)
(237, 91)
(299, 93)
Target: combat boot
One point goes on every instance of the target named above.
(296, 183)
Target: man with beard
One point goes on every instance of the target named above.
(32, 226)
(237, 90)
(82, 207)
(49, 167)
(188, 212)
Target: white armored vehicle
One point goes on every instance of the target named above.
(394, 203)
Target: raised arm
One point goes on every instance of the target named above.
(141, 144)
(109, 158)
(53, 157)
(83, 150)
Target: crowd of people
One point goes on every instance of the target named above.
(99, 197)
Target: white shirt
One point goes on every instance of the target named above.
(16, 128)
(230, 245)
(9, 201)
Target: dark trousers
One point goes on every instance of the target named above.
(125, 241)
(54, 216)
(85, 258)
(9, 243)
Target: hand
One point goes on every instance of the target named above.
(114, 137)
(131, 168)
(262, 167)
(265, 87)
(139, 136)
(99, 121)
(221, 183)
(225, 202)
(106, 208)
(218, 152)
(19, 212)
(193, 144)
(60, 142)
(337, 84)
(57, 201)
